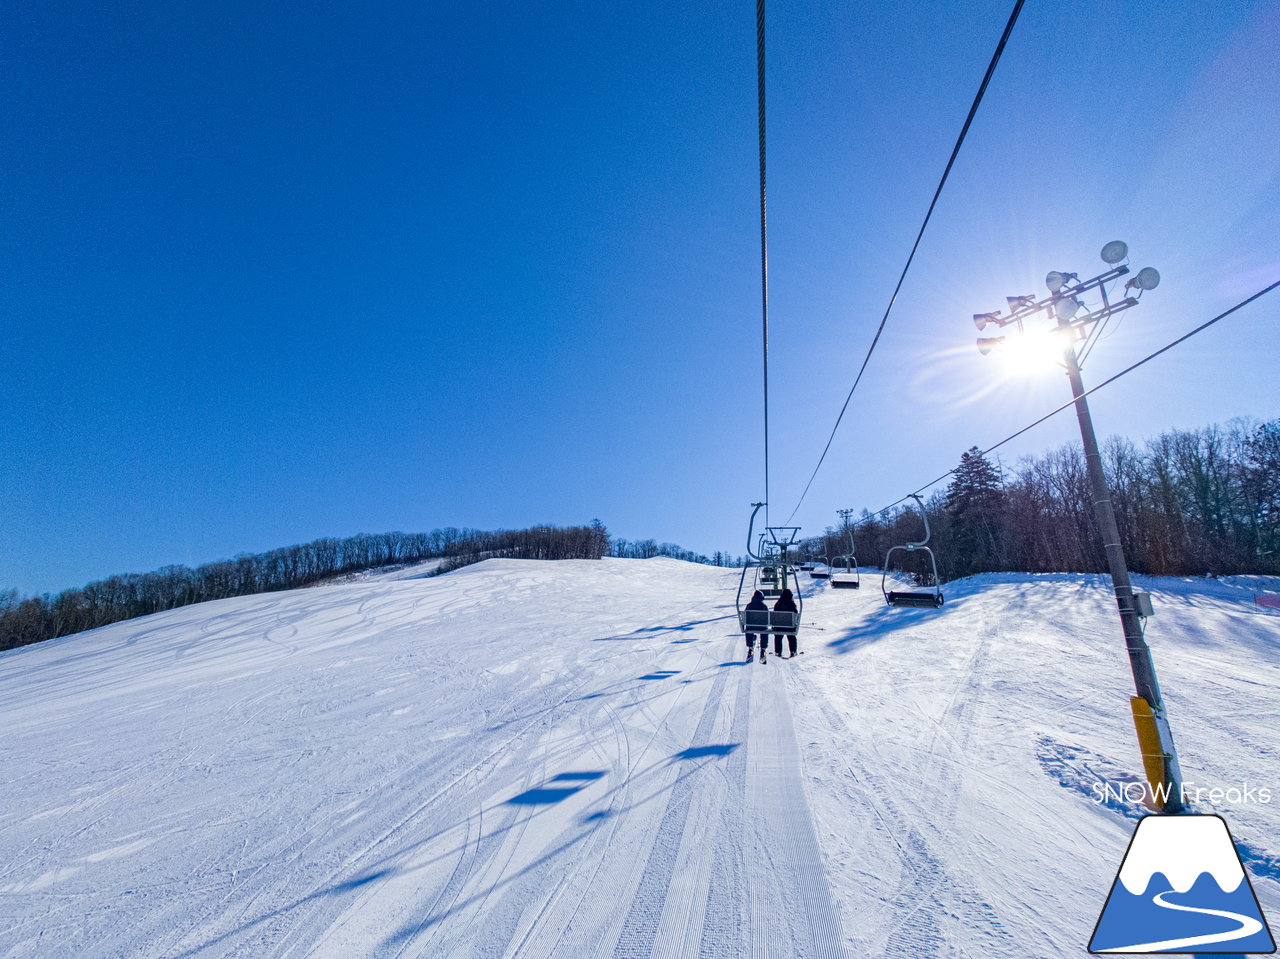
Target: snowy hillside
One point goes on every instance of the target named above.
(572, 759)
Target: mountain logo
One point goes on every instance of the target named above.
(1182, 888)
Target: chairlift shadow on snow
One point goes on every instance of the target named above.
(590, 822)
(700, 752)
(887, 620)
(682, 626)
(537, 801)
(548, 794)
(640, 683)
(677, 628)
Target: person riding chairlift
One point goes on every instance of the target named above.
(757, 604)
(786, 604)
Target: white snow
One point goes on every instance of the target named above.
(570, 759)
(1181, 847)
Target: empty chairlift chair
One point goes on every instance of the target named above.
(820, 570)
(920, 599)
(848, 578)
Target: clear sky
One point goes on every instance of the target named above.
(274, 272)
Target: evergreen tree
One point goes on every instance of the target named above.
(1261, 483)
(974, 504)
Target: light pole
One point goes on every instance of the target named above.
(1064, 305)
(845, 526)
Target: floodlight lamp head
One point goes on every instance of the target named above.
(1148, 278)
(1019, 302)
(1115, 251)
(988, 343)
(1057, 279)
(1068, 307)
(983, 320)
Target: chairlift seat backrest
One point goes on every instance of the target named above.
(770, 621)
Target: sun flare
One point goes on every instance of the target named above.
(1031, 353)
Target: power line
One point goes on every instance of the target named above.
(764, 244)
(1054, 412)
(991, 69)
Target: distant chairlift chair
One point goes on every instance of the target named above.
(767, 582)
(850, 578)
(920, 599)
(820, 570)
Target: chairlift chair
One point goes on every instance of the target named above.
(820, 570)
(767, 582)
(919, 599)
(772, 557)
(850, 578)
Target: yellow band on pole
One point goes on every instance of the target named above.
(1153, 756)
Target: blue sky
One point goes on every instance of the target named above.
(279, 272)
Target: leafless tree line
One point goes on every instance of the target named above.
(649, 548)
(30, 620)
(536, 542)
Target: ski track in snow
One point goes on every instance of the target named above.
(562, 759)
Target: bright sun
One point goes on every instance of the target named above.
(1031, 353)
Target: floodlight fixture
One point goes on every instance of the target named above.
(1068, 307)
(988, 343)
(1115, 251)
(1148, 278)
(983, 320)
(1020, 302)
(1054, 280)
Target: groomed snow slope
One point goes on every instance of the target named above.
(571, 759)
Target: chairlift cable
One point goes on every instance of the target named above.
(973, 109)
(764, 245)
(1093, 389)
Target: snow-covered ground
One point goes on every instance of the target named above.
(571, 759)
